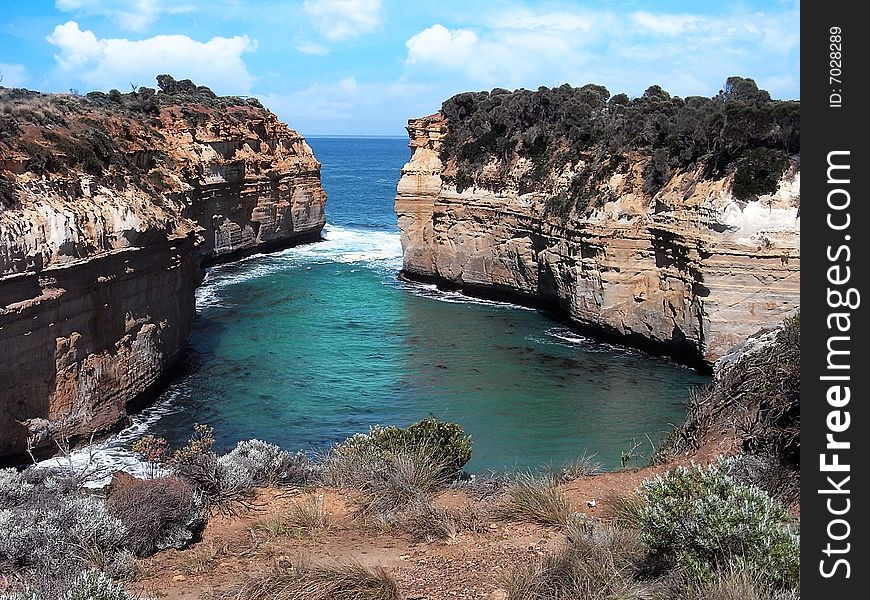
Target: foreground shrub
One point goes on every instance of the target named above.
(536, 498)
(46, 542)
(447, 441)
(394, 467)
(705, 520)
(157, 513)
(400, 477)
(268, 464)
(598, 563)
(339, 582)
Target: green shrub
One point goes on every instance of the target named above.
(705, 520)
(447, 441)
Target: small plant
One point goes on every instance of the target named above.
(201, 442)
(629, 455)
(308, 517)
(582, 466)
(337, 582)
(202, 560)
(627, 509)
(538, 499)
(705, 520)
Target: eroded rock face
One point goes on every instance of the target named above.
(97, 273)
(690, 271)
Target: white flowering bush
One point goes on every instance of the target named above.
(705, 521)
(14, 490)
(94, 585)
(50, 537)
(269, 464)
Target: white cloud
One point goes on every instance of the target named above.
(526, 19)
(664, 24)
(312, 48)
(686, 54)
(117, 62)
(342, 19)
(440, 45)
(12, 75)
(132, 15)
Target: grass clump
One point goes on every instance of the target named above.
(308, 517)
(598, 563)
(393, 467)
(318, 582)
(536, 498)
(582, 466)
(703, 521)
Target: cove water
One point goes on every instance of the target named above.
(307, 346)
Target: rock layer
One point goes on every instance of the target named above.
(97, 273)
(690, 271)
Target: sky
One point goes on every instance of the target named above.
(364, 67)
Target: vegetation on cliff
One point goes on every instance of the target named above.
(106, 135)
(755, 398)
(740, 131)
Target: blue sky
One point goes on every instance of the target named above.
(366, 66)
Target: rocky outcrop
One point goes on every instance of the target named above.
(691, 270)
(98, 265)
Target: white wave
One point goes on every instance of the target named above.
(566, 336)
(104, 458)
(428, 290)
(381, 250)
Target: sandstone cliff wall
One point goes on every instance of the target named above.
(691, 271)
(97, 273)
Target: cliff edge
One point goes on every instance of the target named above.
(668, 223)
(109, 205)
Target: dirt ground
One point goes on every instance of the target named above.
(472, 564)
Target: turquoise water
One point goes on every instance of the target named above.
(307, 346)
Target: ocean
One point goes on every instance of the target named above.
(309, 345)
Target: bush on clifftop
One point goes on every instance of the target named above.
(741, 129)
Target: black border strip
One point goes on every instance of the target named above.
(834, 251)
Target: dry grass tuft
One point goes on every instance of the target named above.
(202, 560)
(350, 581)
(598, 563)
(626, 510)
(308, 517)
(536, 498)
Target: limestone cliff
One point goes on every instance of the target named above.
(110, 205)
(688, 268)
